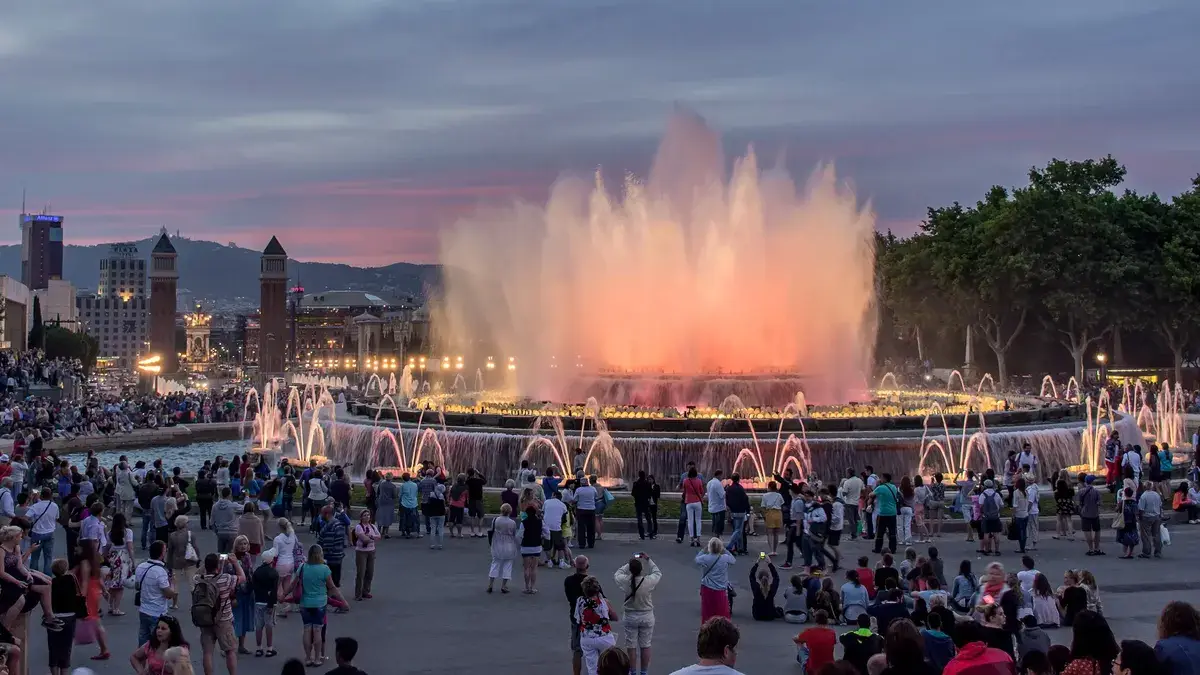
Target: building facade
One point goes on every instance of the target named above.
(116, 316)
(164, 277)
(14, 304)
(57, 301)
(273, 310)
(41, 249)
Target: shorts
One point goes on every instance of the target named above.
(264, 616)
(475, 508)
(531, 551)
(221, 634)
(638, 629)
(773, 519)
(557, 542)
(575, 648)
(312, 616)
(833, 538)
(1089, 524)
(456, 516)
(992, 526)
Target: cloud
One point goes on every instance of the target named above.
(230, 119)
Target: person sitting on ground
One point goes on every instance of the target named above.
(975, 657)
(816, 644)
(859, 645)
(764, 584)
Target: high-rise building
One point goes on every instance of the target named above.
(273, 328)
(41, 249)
(164, 277)
(116, 314)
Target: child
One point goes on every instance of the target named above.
(816, 644)
(65, 600)
(265, 582)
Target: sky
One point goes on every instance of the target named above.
(356, 129)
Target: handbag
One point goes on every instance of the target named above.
(1118, 522)
(189, 553)
(1011, 531)
(296, 594)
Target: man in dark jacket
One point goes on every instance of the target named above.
(643, 495)
(738, 504)
(860, 645)
(146, 492)
(206, 494)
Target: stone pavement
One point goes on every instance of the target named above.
(430, 613)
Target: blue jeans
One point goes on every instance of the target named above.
(436, 529)
(45, 549)
(1022, 530)
(147, 529)
(737, 540)
(146, 625)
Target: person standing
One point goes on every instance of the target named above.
(850, 490)
(366, 534)
(643, 499)
(387, 494)
(225, 521)
(43, 516)
(887, 500)
(159, 515)
(593, 614)
(585, 513)
(212, 610)
(410, 524)
(1089, 513)
(153, 584)
(990, 503)
(738, 503)
(504, 547)
(714, 580)
(332, 538)
(206, 495)
(265, 584)
(475, 484)
(124, 490)
(715, 490)
(573, 587)
(1149, 513)
(637, 580)
(684, 516)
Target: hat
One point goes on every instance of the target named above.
(1089, 479)
(988, 484)
(3, 458)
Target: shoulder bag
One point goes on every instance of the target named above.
(189, 553)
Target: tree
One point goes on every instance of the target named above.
(982, 258)
(1171, 272)
(37, 332)
(907, 287)
(1083, 257)
(64, 343)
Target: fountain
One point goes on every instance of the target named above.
(706, 267)
(299, 429)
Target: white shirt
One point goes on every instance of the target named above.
(698, 669)
(1026, 578)
(716, 496)
(1026, 459)
(553, 511)
(153, 577)
(44, 516)
(852, 489)
(19, 469)
(1031, 491)
(1134, 461)
(772, 501)
(6, 503)
(285, 546)
(317, 491)
(837, 515)
(872, 481)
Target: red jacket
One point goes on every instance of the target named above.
(976, 658)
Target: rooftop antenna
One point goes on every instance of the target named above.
(22, 201)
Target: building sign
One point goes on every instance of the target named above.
(125, 250)
(31, 218)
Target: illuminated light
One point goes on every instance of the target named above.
(1101, 358)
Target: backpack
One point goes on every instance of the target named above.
(988, 507)
(206, 602)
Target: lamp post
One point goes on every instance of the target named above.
(1102, 359)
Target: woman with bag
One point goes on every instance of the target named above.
(118, 555)
(288, 554)
(502, 539)
(182, 555)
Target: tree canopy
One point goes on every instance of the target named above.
(1063, 260)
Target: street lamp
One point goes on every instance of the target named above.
(1102, 359)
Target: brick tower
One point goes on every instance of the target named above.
(272, 331)
(164, 275)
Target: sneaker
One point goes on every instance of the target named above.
(785, 566)
(563, 565)
(549, 563)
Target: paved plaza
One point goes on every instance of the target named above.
(430, 613)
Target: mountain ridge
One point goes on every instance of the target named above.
(224, 272)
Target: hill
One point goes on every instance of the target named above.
(213, 271)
